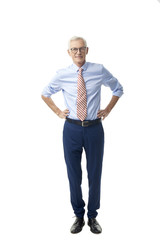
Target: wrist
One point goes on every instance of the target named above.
(108, 109)
(57, 112)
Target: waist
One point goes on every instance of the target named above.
(85, 123)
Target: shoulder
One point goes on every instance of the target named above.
(99, 68)
(94, 67)
(62, 72)
(66, 70)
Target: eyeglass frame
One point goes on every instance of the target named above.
(81, 49)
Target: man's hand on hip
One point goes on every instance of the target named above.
(102, 114)
(63, 114)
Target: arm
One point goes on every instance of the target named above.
(117, 91)
(55, 109)
(104, 113)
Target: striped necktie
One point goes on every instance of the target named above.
(81, 97)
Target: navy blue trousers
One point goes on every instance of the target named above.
(91, 139)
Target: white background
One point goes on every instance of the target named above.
(122, 35)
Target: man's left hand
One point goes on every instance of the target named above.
(102, 114)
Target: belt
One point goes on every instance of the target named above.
(85, 123)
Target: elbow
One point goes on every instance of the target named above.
(45, 99)
(42, 97)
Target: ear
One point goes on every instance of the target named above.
(87, 50)
(69, 52)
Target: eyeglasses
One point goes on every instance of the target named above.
(75, 50)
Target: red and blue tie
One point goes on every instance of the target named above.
(81, 97)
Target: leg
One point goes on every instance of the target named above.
(94, 146)
(72, 142)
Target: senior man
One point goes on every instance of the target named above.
(81, 86)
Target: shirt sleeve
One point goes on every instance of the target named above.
(53, 87)
(110, 81)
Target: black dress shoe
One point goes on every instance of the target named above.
(77, 225)
(94, 225)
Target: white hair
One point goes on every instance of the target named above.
(77, 38)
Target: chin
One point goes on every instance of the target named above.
(79, 60)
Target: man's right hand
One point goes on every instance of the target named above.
(63, 114)
(55, 109)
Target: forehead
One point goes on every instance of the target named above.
(77, 43)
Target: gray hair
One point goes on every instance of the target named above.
(77, 38)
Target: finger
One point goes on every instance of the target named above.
(66, 111)
(100, 114)
(103, 116)
(100, 111)
(66, 115)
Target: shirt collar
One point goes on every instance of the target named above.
(76, 68)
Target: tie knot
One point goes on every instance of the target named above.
(80, 70)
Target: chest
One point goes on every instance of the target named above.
(92, 82)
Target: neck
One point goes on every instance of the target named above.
(80, 64)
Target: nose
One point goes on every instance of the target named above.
(79, 51)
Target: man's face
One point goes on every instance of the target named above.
(79, 56)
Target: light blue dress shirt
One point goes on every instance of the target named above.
(94, 75)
